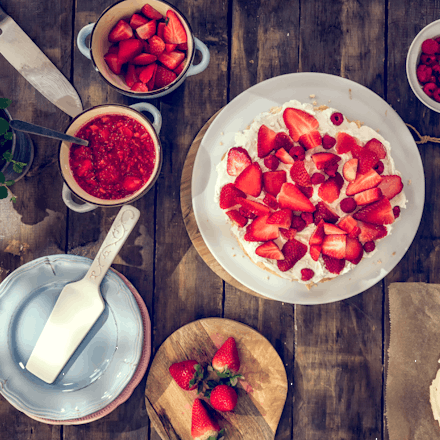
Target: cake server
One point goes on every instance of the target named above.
(79, 305)
(30, 61)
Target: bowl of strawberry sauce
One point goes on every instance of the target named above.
(143, 48)
(121, 162)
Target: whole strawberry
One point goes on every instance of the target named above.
(226, 359)
(223, 398)
(203, 426)
(187, 374)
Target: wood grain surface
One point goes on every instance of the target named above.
(261, 395)
(335, 355)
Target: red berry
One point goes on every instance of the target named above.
(271, 162)
(337, 118)
(369, 246)
(379, 167)
(428, 60)
(348, 205)
(307, 274)
(328, 142)
(298, 153)
(436, 69)
(430, 46)
(396, 211)
(307, 217)
(298, 223)
(429, 89)
(317, 178)
(423, 73)
(436, 95)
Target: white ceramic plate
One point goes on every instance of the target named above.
(102, 365)
(356, 102)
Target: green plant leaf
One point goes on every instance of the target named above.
(13, 199)
(9, 135)
(9, 182)
(7, 156)
(3, 192)
(4, 125)
(17, 168)
(5, 102)
(2, 178)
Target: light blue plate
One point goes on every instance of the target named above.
(102, 365)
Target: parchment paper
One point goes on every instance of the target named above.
(413, 360)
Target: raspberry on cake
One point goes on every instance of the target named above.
(308, 193)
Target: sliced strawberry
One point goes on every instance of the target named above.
(315, 251)
(331, 169)
(179, 69)
(318, 234)
(333, 265)
(339, 180)
(284, 156)
(183, 46)
(114, 48)
(368, 196)
(174, 32)
(150, 12)
(250, 180)
(160, 28)
(265, 141)
(170, 47)
(323, 212)
(306, 190)
(147, 30)
(238, 160)
(367, 160)
(260, 230)
(288, 234)
(354, 250)
(299, 122)
(310, 140)
(391, 186)
(281, 218)
(370, 232)
(129, 49)
(130, 76)
(152, 80)
(292, 198)
(330, 229)
(334, 246)
(299, 174)
(345, 142)
(271, 162)
(293, 251)
(246, 213)
(237, 218)
(349, 169)
(139, 87)
(298, 223)
(363, 182)
(113, 62)
(164, 77)
(269, 250)
(329, 190)
(228, 196)
(254, 207)
(143, 59)
(172, 59)
(348, 224)
(273, 181)
(377, 147)
(321, 160)
(378, 213)
(146, 73)
(270, 201)
(156, 46)
(121, 31)
(282, 140)
(137, 20)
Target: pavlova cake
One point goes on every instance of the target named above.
(309, 193)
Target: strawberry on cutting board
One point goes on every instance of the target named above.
(187, 374)
(226, 359)
(223, 398)
(203, 426)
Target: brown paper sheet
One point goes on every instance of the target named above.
(413, 360)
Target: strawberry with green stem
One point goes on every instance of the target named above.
(226, 362)
(187, 374)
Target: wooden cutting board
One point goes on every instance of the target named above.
(261, 395)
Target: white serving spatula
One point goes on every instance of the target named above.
(79, 305)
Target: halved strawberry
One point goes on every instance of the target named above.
(299, 174)
(147, 30)
(367, 160)
(292, 198)
(293, 251)
(391, 186)
(330, 229)
(113, 62)
(333, 265)
(310, 140)
(283, 140)
(377, 147)
(121, 31)
(130, 76)
(150, 12)
(329, 190)
(156, 45)
(164, 77)
(265, 141)
(270, 201)
(348, 224)
(318, 234)
(298, 223)
(246, 213)
(334, 246)
(129, 49)
(273, 181)
(228, 196)
(354, 250)
(269, 250)
(237, 218)
(323, 212)
(160, 28)
(306, 190)
(315, 251)
(284, 156)
(281, 218)
(349, 169)
(238, 160)
(288, 234)
(345, 142)
(170, 47)
(253, 207)
(250, 180)
(139, 87)
(321, 160)
(179, 69)
(143, 59)
(299, 122)
(137, 20)
(174, 32)
(183, 46)
(363, 182)
(378, 213)
(172, 59)
(153, 71)
(368, 196)
(114, 48)
(370, 232)
(260, 230)
(146, 74)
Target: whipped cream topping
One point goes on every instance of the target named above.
(274, 120)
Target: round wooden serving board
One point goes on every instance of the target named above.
(189, 217)
(261, 395)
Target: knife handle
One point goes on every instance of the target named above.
(3, 14)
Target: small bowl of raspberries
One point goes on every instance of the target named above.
(423, 66)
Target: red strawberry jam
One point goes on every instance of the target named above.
(120, 157)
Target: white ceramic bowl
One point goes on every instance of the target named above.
(412, 61)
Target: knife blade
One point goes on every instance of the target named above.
(27, 58)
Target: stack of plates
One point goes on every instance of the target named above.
(106, 367)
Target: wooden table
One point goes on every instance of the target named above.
(335, 354)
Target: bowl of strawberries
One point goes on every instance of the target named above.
(143, 48)
(423, 66)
